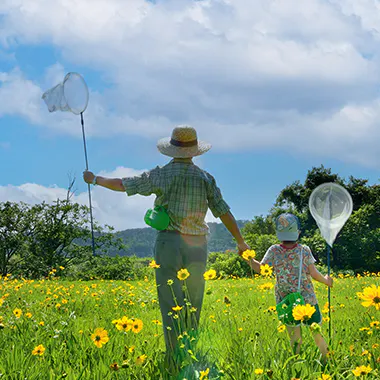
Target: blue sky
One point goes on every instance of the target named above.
(276, 91)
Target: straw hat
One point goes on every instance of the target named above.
(183, 143)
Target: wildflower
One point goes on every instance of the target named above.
(266, 286)
(204, 374)
(39, 350)
(249, 254)
(375, 324)
(183, 274)
(371, 296)
(177, 308)
(227, 301)
(157, 322)
(303, 312)
(100, 337)
(28, 315)
(114, 366)
(210, 274)
(281, 328)
(61, 267)
(42, 323)
(141, 359)
(170, 282)
(266, 270)
(315, 327)
(17, 313)
(364, 329)
(271, 309)
(154, 265)
(259, 371)
(137, 326)
(325, 377)
(362, 370)
(124, 324)
(1, 301)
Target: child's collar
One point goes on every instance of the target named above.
(287, 248)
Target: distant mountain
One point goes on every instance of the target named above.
(140, 241)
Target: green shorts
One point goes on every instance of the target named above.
(315, 318)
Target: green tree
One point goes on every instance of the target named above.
(14, 231)
(35, 239)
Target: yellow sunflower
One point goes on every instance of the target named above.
(124, 324)
(362, 370)
(371, 296)
(17, 313)
(100, 337)
(249, 254)
(137, 325)
(266, 270)
(204, 374)
(303, 312)
(210, 274)
(154, 265)
(141, 359)
(39, 350)
(183, 274)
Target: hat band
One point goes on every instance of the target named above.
(184, 144)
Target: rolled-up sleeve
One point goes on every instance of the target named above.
(216, 203)
(268, 257)
(144, 184)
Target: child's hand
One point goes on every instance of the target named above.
(329, 281)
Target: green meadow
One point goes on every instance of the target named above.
(47, 332)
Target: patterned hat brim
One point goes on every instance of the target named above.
(166, 148)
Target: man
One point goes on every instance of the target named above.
(186, 192)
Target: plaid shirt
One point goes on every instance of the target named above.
(185, 190)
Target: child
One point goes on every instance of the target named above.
(285, 260)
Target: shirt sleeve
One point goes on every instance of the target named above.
(308, 256)
(216, 203)
(143, 184)
(268, 257)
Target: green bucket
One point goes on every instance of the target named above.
(286, 306)
(157, 218)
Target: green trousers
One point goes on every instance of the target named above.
(174, 251)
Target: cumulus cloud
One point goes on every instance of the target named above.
(112, 208)
(292, 76)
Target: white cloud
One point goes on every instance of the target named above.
(109, 207)
(294, 76)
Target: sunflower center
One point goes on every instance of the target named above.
(97, 338)
(376, 300)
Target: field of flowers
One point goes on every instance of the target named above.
(56, 329)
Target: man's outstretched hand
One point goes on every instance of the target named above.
(242, 247)
(88, 176)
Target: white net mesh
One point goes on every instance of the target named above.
(70, 95)
(330, 205)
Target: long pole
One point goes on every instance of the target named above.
(89, 189)
(329, 289)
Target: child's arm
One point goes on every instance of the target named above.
(115, 184)
(317, 276)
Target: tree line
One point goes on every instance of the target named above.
(34, 239)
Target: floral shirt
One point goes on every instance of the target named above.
(285, 263)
